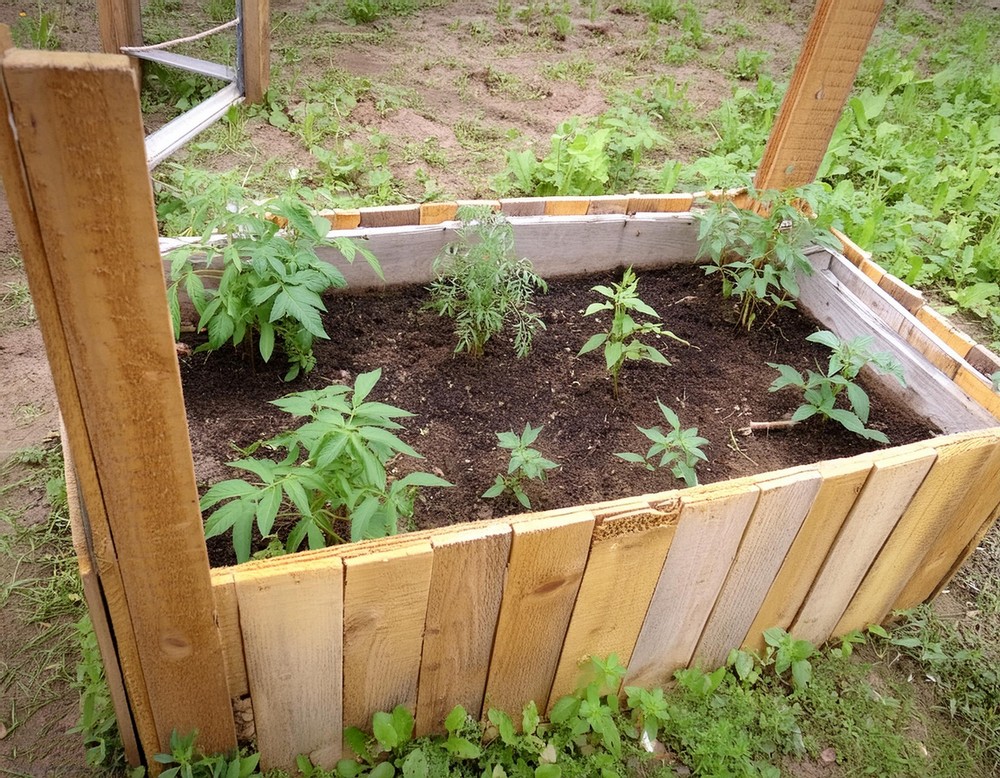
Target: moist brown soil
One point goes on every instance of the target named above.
(718, 385)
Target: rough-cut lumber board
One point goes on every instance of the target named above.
(831, 54)
(890, 487)
(938, 565)
(293, 635)
(852, 250)
(120, 24)
(708, 534)
(611, 606)
(983, 360)
(928, 391)
(227, 615)
(523, 206)
(605, 204)
(436, 213)
(81, 140)
(463, 605)
(781, 508)
(391, 216)
(670, 203)
(979, 388)
(902, 293)
(842, 482)
(385, 602)
(547, 560)
(969, 550)
(567, 206)
(932, 509)
(256, 16)
(343, 219)
(940, 326)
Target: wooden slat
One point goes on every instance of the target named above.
(610, 606)
(703, 549)
(567, 206)
(932, 509)
(890, 487)
(939, 564)
(903, 293)
(120, 24)
(605, 204)
(852, 250)
(669, 203)
(831, 54)
(928, 391)
(547, 560)
(227, 615)
(969, 550)
(842, 482)
(523, 206)
(343, 219)
(979, 388)
(957, 340)
(391, 216)
(293, 636)
(780, 511)
(256, 49)
(81, 142)
(385, 602)
(983, 360)
(463, 606)
(435, 213)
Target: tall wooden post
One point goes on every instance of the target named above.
(256, 16)
(831, 55)
(75, 173)
(120, 23)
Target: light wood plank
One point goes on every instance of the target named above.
(611, 607)
(227, 615)
(385, 603)
(81, 141)
(293, 633)
(969, 550)
(436, 213)
(979, 388)
(890, 487)
(547, 560)
(939, 564)
(256, 48)
(567, 206)
(932, 509)
(776, 519)
(957, 340)
(703, 549)
(901, 292)
(463, 606)
(606, 204)
(119, 23)
(842, 483)
(824, 74)
(652, 203)
(852, 250)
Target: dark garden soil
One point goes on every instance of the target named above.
(718, 385)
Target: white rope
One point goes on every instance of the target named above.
(178, 41)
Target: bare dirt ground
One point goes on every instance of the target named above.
(458, 83)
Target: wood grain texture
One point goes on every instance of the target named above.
(983, 360)
(436, 213)
(463, 606)
(547, 561)
(385, 602)
(979, 388)
(227, 616)
(781, 508)
(955, 472)
(903, 293)
(256, 16)
(567, 206)
(651, 203)
(119, 23)
(600, 205)
(927, 390)
(610, 606)
(890, 487)
(523, 206)
(957, 340)
(81, 141)
(852, 250)
(391, 216)
(939, 564)
(708, 535)
(842, 483)
(969, 550)
(293, 636)
(835, 44)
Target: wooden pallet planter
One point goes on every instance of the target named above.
(485, 614)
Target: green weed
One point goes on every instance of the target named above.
(38, 31)
(525, 463)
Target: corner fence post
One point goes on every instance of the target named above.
(255, 30)
(120, 24)
(74, 168)
(835, 44)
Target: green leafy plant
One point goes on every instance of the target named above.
(185, 760)
(37, 31)
(758, 252)
(661, 10)
(482, 287)
(525, 463)
(622, 339)
(678, 449)
(97, 726)
(363, 11)
(749, 63)
(333, 474)
(820, 391)
(270, 283)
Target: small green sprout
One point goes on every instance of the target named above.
(525, 463)
(678, 449)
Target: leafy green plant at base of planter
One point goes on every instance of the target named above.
(759, 252)
(482, 287)
(622, 340)
(820, 392)
(525, 463)
(678, 449)
(333, 471)
(270, 284)
(97, 726)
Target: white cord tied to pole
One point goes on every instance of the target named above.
(169, 44)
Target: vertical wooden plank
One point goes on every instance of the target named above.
(256, 15)
(831, 54)
(708, 534)
(932, 509)
(842, 482)
(81, 143)
(890, 487)
(776, 519)
(120, 24)
(293, 631)
(463, 605)
(227, 615)
(547, 560)
(943, 558)
(385, 603)
(610, 606)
